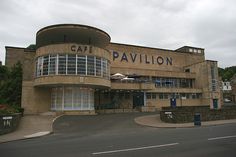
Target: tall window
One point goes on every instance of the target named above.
(81, 65)
(77, 98)
(53, 98)
(40, 66)
(161, 96)
(59, 98)
(104, 68)
(90, 65)
(62, 64)
(71, 64)
(68, 96)
(52, 64)
(72, 98)
(36, 68)
(45, 65)
(213, 78)
(98, 66)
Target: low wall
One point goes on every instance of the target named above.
(9, 122)
(105, 111)
(186, 114)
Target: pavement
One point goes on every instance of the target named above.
(155, 121)
(32, 126)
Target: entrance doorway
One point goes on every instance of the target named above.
(215, 103)
(138, 99)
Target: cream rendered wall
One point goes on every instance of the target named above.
(203, 80)
(179, 60)
(35, 100)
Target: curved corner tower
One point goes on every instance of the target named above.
(73, 62)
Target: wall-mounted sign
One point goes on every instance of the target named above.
(141, 58)
(81, 48)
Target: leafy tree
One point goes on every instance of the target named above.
(32, 47)
(227, 73)
(221, 72)
(3, 73)
(11, 85)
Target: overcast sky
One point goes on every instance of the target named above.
(170, 24)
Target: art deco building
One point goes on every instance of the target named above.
(76, 68)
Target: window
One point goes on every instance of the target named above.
(85, 100)
(54, 98)
(175, 82)
(213, 78)
(166, 96)
(52, 64)
(177, 95)
(106, 95)
(183, 96)
(199, 95)
(81, 65)
(187, 70)
(62, 64)
(104, 68)
(121, 95)
(72, 98)
(154, 96)
(157, 82)
(68, 96)
(148, 95)
(90, 65)
(127, 95)
(36, 68)
(108, 70)
(59, 98)
(172, 95)
(161, 96)
(71, 64)
(40, 66)
(194, 95)
(98, 66)
(77, 98)
(45, 65)
(168, 83)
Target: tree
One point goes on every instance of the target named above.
(32, 47)
(3, 73)
(11, 85)
(227, 73)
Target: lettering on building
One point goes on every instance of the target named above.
(81, 49)
(141, 58)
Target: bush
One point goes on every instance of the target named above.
(6, 109)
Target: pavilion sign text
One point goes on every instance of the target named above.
(141, 58)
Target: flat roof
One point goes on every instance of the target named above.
(72, 33)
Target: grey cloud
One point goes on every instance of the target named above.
(156, 23)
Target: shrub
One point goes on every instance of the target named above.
(7, 109)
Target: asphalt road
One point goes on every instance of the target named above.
(117, 135)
